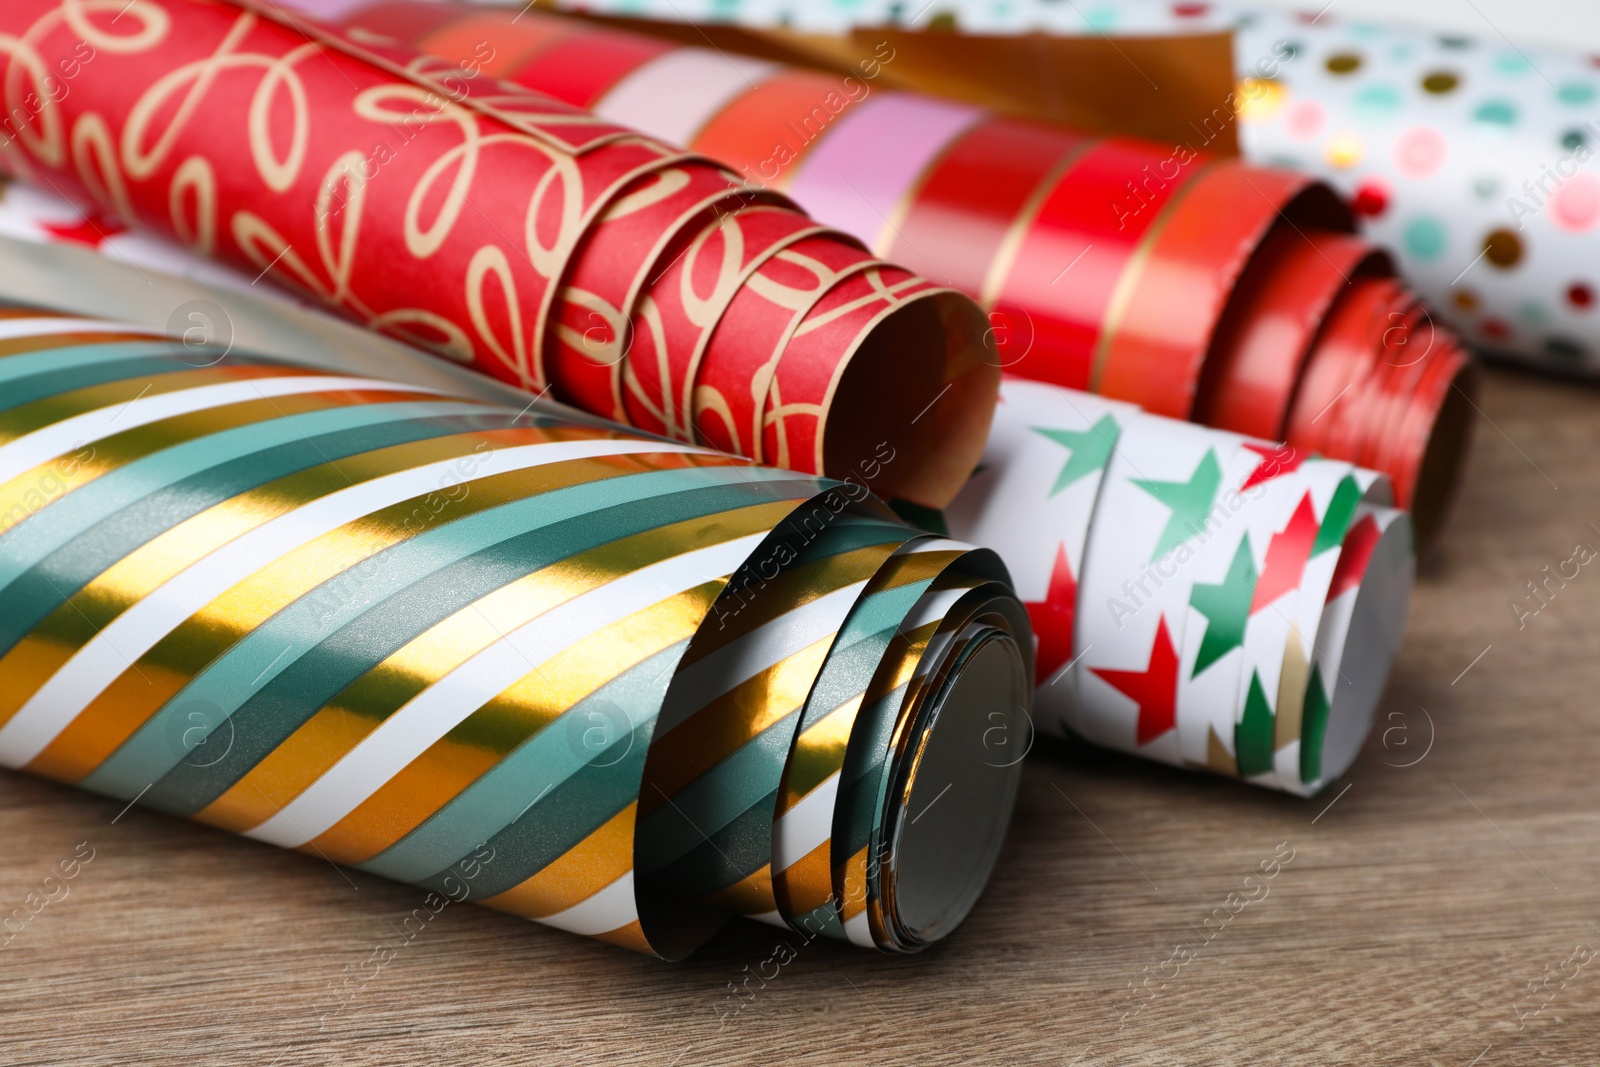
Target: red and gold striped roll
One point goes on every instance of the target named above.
(1197, 287)
(487, 221)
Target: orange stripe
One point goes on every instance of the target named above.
(852, 878)
(750, 895)
(807, 884)
(581, 872)
(13, 346)
(451, 764)
(630, 936)
(130, 700)
(764, 132)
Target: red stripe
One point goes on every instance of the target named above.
(1090, 224)
(972, 196)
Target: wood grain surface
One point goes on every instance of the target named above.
(1453, 867)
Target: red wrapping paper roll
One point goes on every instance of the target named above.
(1283, 310)
(1196, 287)
(428, 199)
(684, 305)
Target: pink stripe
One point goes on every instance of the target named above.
(327, 10)
(854, 178)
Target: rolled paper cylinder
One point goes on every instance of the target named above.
(488, 222)
(1038, 499)
(1199, 597)
(620, 685)
(1194, 286)
(1470, 156)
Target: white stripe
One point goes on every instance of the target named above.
(441, 707)
(933, 607)
(610, 909)
(764, 647)
(45, 326)
(859, 931)
(672, 96)
(936, 544)
(805, 826)
(46, 443)
(134, 632)
(772, 918)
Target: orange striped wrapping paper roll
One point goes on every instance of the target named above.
(620, 685)
(501, 228)
(1196, 287)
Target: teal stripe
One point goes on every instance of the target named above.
(314, 679)
(718, 797)
(43, 588)
(723, 858)
(855, 810)
(67, 516)
(38, 375)
(591, 731)
(560, 819)
(859, 649)
(74, 357)
(250, 666)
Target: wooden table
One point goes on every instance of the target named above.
(1455, 865)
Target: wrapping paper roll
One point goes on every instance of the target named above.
(494, 225)
(1199, 597)
(1195, 286)
(1450, 146)
(1244, 707)
(620, 685)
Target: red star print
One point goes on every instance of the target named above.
(1274, 461)
(1154, 689)
(1287, 553)
(1052, 618)
(1354, 557)
(89, 230)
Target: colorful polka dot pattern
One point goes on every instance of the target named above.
(1472, 159)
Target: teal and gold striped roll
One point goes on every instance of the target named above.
(620, 685)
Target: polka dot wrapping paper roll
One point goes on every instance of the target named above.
(620, 685)
(1193, 285)
(494, 225)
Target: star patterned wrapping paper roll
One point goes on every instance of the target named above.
(1199, 598)
(1193, 285)
(501, 228)
(617, 684)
